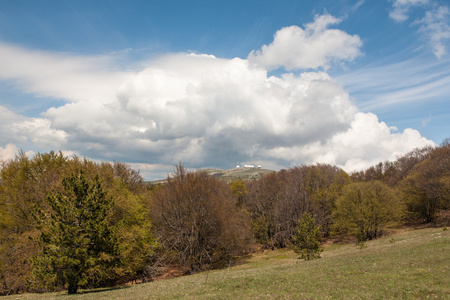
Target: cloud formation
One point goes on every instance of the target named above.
(203, 110)
(17, 129)
(200, 108)
(394, 86)
(401, 8)
(58, 75)
(434, 26)
(313, 47)
(10, 151)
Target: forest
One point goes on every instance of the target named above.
(70, 223)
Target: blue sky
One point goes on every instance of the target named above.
(220, 83)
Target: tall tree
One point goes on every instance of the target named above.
(278, 200)
(78, 245)
(26, 182)
(365, 208)
(197, 220)
(427, 186)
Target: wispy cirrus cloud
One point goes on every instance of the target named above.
(387, 85)
(401, 8)
(434, 26)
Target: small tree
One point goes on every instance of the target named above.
(306, 240)
(78, 246)
(239, 190)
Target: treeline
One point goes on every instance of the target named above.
(29, 212)
(70, 222)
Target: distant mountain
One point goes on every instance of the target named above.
(242, 173)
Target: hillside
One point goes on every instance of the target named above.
(412, 264)
(228, 175)
(242, 173)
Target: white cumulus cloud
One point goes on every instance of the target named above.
(203, 110)
(366, 142)
(313, 46)
(208, 111)
(17, 129)
(10, 151)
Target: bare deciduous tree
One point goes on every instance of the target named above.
(197, 220)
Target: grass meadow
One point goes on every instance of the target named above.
(412, 264)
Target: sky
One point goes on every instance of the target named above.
(274, 83)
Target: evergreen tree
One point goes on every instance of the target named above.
(78, 246)
(306, 240)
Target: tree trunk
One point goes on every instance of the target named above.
(73, 288)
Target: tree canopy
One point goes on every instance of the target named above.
(101, 224)
(365, 208)
(27, 182)
(197, 219)
(78, 245)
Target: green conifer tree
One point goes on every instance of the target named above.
(78, 245)
(306, 240)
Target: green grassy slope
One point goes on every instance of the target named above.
(409, 265)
